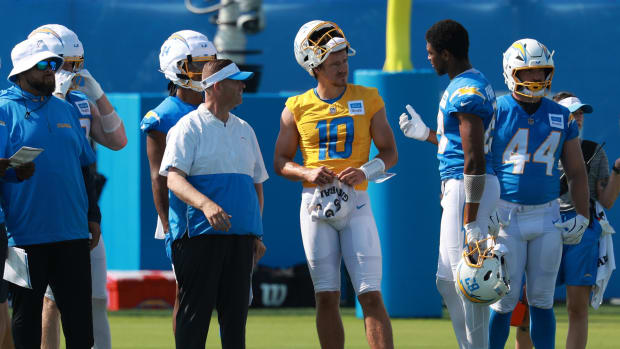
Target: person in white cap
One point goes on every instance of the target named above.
(215, 166)
(102, 123)
(54, 229)
(580, 262)
(181, 59)
(333, 126)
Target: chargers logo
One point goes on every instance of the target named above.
(465, 91)
(151, 118)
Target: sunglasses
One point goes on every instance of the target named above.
(43, 65)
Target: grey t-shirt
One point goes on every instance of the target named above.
(599, 169)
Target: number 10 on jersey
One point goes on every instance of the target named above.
(328, 137)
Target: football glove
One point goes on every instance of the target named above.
(472, 233)
(495, 223)
(90, 86)
(64, 79)
(573, 229)
(413, 128)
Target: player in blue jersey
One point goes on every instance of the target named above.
(181, 59)
(101, 124)
(531, 134)
(469, 187)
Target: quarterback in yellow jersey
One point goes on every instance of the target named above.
(333, 126)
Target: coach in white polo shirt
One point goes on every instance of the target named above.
(214, 164)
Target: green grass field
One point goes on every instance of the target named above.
(294, 328)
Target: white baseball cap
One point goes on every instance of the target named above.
(28, 53)
(573, 104)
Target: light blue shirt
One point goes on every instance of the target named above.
(468, 93)
(526, 150)
(162, 119)
(222, 161)
(52, 205)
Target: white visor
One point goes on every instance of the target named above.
(230, 71)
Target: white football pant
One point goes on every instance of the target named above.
(475, 324)
(358, 244)
(534, 248)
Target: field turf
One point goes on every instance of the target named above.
(294, 328)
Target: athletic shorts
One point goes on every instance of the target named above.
(358, 244)
(580, 262)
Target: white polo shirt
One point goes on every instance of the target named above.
(223, 161)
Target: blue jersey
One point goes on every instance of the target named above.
(80, 102)
(165, 115)
(526, 149)
(161, 119)
(52, 205)
(469, 93)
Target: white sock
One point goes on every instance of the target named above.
(101, 327)
(454, 304)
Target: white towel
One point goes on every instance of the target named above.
(333, 203)
(159, 230)
(601, 216)
(606, 265)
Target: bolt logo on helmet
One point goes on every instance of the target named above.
(179, 51)
(314, 42)
(482, 275)
(63, 42)
(528, 54)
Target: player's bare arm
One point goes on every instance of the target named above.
(609, 188)
(575, 168)
(383, 138)
(217, 217)
(115, 140)
(471, 129)
(155, 146)
(286, 147)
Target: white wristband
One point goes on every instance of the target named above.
(373, 169)
(110, 122)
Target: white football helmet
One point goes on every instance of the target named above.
(63, 42)
(528, 54)
(482, 275)
(180, 49)
(310, 53)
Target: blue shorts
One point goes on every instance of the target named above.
(580, 262)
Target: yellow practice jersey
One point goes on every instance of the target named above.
(335, 135)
